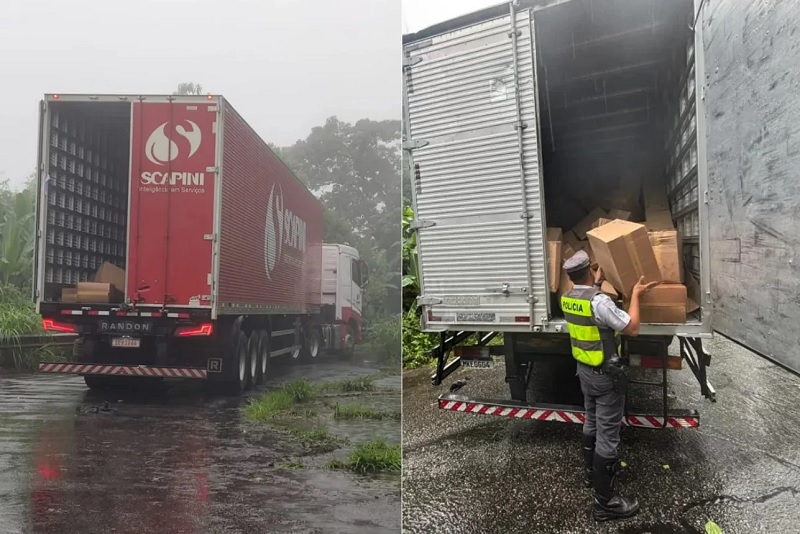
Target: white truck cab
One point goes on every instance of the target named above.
(344, 276)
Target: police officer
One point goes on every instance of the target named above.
(595, 323)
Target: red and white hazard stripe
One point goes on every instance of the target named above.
(122, 370)
(562, 416)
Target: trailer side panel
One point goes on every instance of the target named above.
(271, 230)
(753, 157)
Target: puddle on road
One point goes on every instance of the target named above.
(175, 460)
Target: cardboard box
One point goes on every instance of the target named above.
(111, 274)
(665, 303)
(572, 245)
(554, 246)
(585, 224)
(659, 220)
(600, 222)
(667, 248)
(624, 252)
(97, 293)
(69, 295)
(692, 292)
(619, 214)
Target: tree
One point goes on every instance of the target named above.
(17, 234)
(354, 169)
(189, 88)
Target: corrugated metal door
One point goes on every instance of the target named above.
(476, 174)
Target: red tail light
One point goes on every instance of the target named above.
(195, 330)
(50, 325)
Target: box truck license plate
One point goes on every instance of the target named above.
(126, 342)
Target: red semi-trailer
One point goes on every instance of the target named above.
(216, 245)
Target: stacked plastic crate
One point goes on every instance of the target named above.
(87, 199)
(682, 163)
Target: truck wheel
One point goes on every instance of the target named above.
(238, 369)
(263, 356)
(252, 359)
(349, 347)
(95, 382)
(311, 343)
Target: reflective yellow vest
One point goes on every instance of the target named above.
(591, 345)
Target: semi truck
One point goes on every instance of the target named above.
(176, 244)
(510, 113)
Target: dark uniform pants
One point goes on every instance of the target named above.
(605, 406)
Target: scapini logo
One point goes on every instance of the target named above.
(282, 227)
(160, 149)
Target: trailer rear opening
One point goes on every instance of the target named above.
(616, 98)
(530, 116)
(87, 201)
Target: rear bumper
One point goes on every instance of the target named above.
(123, 370)
(561, 413)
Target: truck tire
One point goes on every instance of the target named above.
(311, 343)
(236, 378)
(95, 382)
(263, 356)
(252, 359)
(349, 347)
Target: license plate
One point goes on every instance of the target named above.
(126, 342)
(477, 363)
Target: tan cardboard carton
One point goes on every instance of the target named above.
(692, 292)
(601, 221)
(69, 295)
(97, 293)
(586, 223)
(108, 273)
(554, 246)
(619, 214)
(624, 252)
(667, 248)
(665, 303)
(572, 245)
(659, 220)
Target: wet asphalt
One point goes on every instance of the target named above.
(483, 474)
(174, 460)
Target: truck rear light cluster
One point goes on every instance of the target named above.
(50, 325)
(205, 329)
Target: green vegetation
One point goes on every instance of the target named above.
(279, 401)
(358, 411)
(377, 455)
(351, 385)
(291, 465)
(385, 338)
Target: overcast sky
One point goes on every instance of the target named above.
(286, 65)
(419, 14)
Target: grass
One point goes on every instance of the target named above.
(291, 465)
(374, 456)
(18, 318)
(358, 411)
(352, 385)
(280, 401)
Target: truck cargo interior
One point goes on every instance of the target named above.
(617, 116)
(87, 192)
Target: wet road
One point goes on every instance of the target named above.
(741, 469)
(175, 461)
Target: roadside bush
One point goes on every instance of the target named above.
(384, 338)
(18, 318)
(416, 344)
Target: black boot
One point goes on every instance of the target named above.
(588, 459)
(607, 505)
